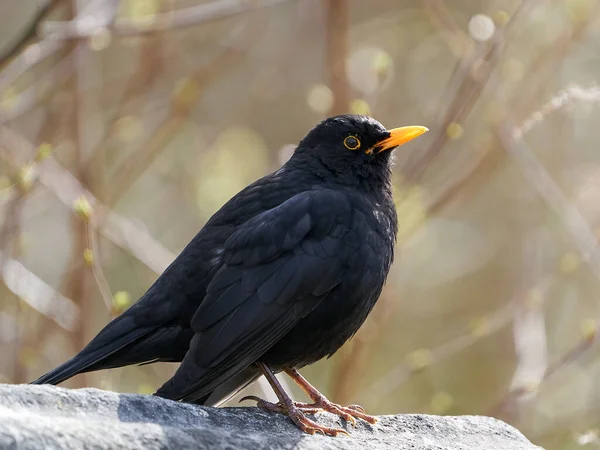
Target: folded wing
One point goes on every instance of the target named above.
(277, 268)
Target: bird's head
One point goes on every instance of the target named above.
(352, 145)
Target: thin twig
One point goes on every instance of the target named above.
(400, 374)
(39, 295)
(111, 225)
(96, 266)
(11, 224)
(148, 70)
(76, 278)
(182, 105)
(441, 16)
(47, 83)
(568, 358)
(337, 51)
(570, 96)
(529, 327)
(465, 180)
(550, 192)
(173, 20)
(470, 86)
(29, 32)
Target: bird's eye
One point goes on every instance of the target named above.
(351, 143)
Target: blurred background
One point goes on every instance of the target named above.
(125, 124)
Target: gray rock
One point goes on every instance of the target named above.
(45, 417)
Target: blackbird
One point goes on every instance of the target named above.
(280, 277)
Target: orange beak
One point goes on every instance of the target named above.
(399, 136)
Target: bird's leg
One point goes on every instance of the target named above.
(286, 406)
(320, 402)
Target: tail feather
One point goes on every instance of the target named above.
(153, 329)
(92, 356)
(128, 339)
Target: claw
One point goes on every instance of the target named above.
(340, 431)
(348, 413)
(296, 412)
(250, 397)
(356, 408)
(320, 402)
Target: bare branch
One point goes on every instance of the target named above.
(195, 15)
(31, 96)
(181, 108)
(111, 225)
(396, 377)
(337, 51)
(472, 75)
(29, 32)
(550, 192)
(39, 295)
(97, 270)
(26, 60)
(566, 98)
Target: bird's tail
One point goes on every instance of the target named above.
(122, 342)
(119, 333)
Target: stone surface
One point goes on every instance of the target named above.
(45, 417)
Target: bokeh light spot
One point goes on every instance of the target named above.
(9, 99)
(141, 12)
(419, 359)
(589, 329)
(100, 40)
(382, 64)
(121, 301)
(569, 263)
(320, 98)
(481, 27)
(360, 106)
(454, 130)
(369, 68)
(501, 18)
(128, 128)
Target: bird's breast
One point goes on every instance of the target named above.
(367, 251)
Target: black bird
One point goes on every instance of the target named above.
(280, 277)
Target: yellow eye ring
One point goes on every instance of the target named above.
(352, 143)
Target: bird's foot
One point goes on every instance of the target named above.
(321, 403)
(349, 413)
(296, 412)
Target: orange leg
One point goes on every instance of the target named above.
(287, 406)
(320, 402)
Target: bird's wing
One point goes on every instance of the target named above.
(277, 268)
